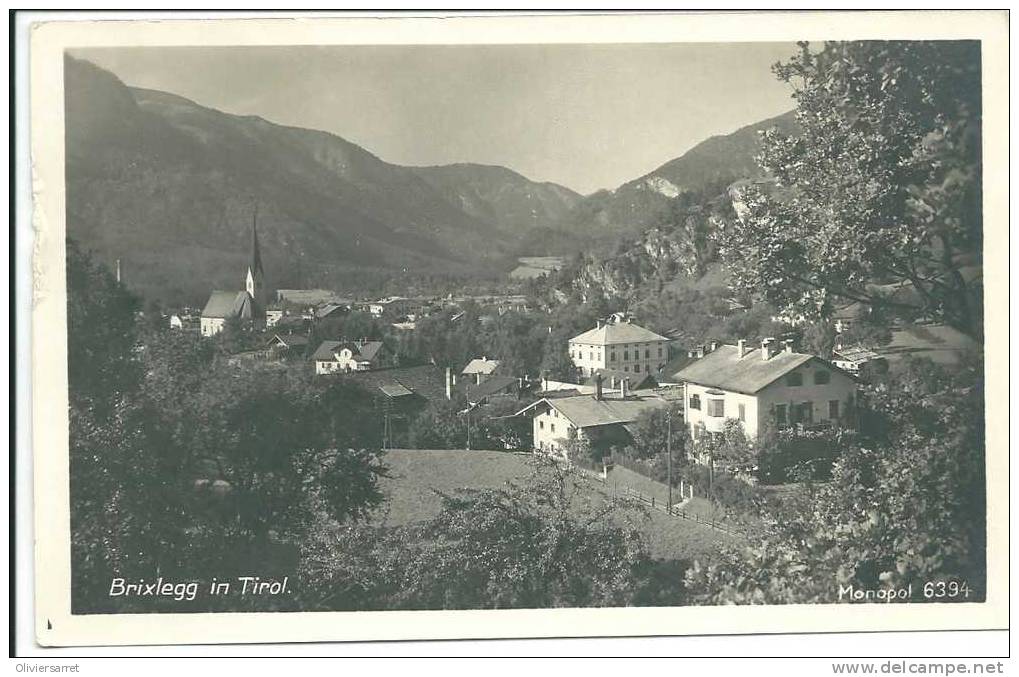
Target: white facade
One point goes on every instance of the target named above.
(212, 325)
(551, 430)
(639, 357)
(619, 345)
(813, 393)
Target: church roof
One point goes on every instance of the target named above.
(226, 304)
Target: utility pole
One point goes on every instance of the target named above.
(668, 448)
(468, 416)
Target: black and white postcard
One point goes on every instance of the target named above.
(519, 326)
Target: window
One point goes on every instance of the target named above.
(795, 379)
(822, 377)
(780, 414)
(742, 412)
(612, 357)
(625, 368)
(833, 409)
(803, 412)
(626, 355)
(647, 353)
(541, 425)
(716, 407)
(590, 356)
(659, 351)
(695, 401)
(552, 426)
(636, 367)
(555, 413)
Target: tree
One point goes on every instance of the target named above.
(184, 468)
(550, 541)
(102, 365)
(651, 433)
(905, 508)
(819, 338)
(877, 199)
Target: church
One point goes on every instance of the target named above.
(247, 305)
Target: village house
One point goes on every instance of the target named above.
(853, 358)
(287, 346)
(350, 356)
(600, 419)
(248, 305)
(618, 344)
(480, 369)
(770, 384)
(397, 306)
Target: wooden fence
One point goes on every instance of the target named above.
(660, 506)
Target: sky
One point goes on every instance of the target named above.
(584, 116)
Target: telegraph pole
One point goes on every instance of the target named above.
(468, 416)
(668, 448)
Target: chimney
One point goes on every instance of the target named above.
(449, 383)
(766, 348)
(625, 386)
(741, 348)
(544, 383)
(597, 387)
(788, 343)
(714, 344)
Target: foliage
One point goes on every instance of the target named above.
(904, 508)
(548, 542)
(182, 466)
(102, 364)
(654, 428)
(881, 186)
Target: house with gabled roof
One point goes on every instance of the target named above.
(618, 344)
(770, 385)
(347, 356)
(599, 418)
(480, 368)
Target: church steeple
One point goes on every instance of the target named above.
(255, 282)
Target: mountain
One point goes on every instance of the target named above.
(170, 187)
(709, 167)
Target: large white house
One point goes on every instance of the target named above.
(770, 384)
(619, 345)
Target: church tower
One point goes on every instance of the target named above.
(255, 282)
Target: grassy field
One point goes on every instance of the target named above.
(418, 477)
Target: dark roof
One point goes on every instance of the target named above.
(672, 368)
(723, 368)
(610, 376)
(325, 350)
(368, 350)
(225, 304)
(290, 340)
(395, 390)
(328, 309)
(425, 380)
(493, 385)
